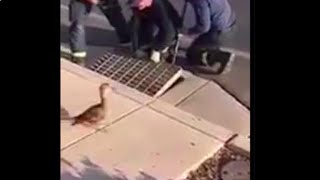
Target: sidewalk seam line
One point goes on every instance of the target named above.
(70, 145)
(192, 93)
(233, 95)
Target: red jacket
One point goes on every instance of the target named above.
(93, 1)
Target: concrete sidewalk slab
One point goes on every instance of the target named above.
(77, 94)
(215, 105)
(183, 89)
(145, 141)
(237, 81)
(195, 122)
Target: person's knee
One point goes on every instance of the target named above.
(77, 27)
(203, 28)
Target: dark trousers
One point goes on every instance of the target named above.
(155, 25)
(143, 31)
(78, 12)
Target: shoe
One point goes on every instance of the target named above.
(213, 57)
(158, 56)
(226, 60)
(79, 58)
(204, 59)
(155, 56)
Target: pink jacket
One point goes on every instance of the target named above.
(141, 4)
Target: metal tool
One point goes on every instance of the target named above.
(173, 50)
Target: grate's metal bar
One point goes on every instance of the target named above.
(105, 62)
(134, 71)
(140, 73)
(114, 66)
(127, 71)
(149, 79)
(102, 59)
(154, 81)
(169, 83)
(148, 74)
(119, 70)
(117, 67)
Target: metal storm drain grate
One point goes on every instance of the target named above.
(145, 76)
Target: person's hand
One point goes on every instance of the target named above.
(94, 2)
(141, 4)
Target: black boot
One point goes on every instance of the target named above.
(225, 60)
(79, 58)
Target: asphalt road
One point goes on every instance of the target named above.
(100, 37)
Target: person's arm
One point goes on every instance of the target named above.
(202, 13)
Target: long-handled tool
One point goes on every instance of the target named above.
(184, 10)
(173, 50)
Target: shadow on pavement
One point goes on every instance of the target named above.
(94, 36)
(64, 113)
(93, 171)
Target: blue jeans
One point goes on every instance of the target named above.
(212, 14)
(78, 12)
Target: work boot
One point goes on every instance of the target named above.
(226, 60)
(79, 58)
(157, 56)
(212, 57)
(125, 41)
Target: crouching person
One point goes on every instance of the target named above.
(214, 18)
(155, 27)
